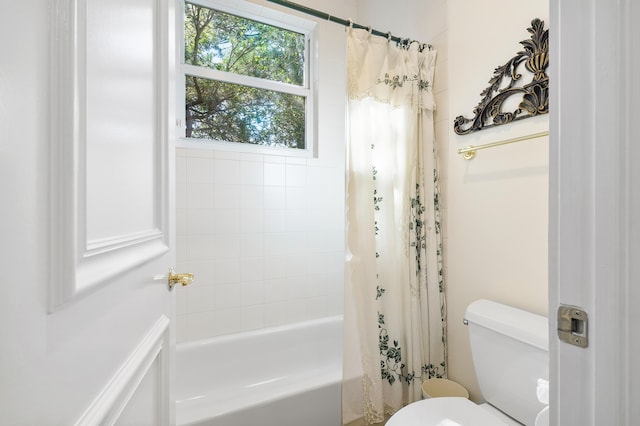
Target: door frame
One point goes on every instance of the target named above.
(591, 206)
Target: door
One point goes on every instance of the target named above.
(86, 184)
(594, 245)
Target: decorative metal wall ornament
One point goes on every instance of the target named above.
(535, 95)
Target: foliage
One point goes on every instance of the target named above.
(231, 112)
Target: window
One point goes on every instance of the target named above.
(247, 77)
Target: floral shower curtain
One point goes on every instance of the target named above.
(394, 283)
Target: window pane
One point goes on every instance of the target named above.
(235, 113)
(230, 43)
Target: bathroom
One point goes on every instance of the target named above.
(494, 216)
(274, 252)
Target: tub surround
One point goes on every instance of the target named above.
(264, 234)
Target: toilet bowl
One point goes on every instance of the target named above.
(509, 348)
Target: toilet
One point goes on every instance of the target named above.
(509, 348)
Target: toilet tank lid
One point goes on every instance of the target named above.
(513, 322)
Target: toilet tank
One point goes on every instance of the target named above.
(510, 350)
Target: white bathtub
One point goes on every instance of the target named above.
(281, 376)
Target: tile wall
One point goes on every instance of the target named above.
(264, 235)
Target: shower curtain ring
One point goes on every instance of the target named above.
(350, 23)
(388, 36)
(369, 29)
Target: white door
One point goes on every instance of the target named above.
(86, 184)
(594, 242)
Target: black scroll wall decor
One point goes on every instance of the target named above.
(535, 94)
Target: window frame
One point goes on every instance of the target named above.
(308, 89)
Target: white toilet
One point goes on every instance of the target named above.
(509, 347)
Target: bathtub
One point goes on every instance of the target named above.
(281, 376)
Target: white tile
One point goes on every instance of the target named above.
(275, 220)
(200, 247)
(252, 317)
(227, 196)
(296, 160)
(251, 245)
(275, 197)
(296, 311)
(251, 269)
(275, 267)
(327, 241)
(275, 290)
(199, 221)
(200, 325)
(297, 242)
(226, 221)
(200, 196)
(222, 154)
(202, 271)
(200, 170)
(275, 244)
(251, 173)
(278, 159)
(335, 282)
(296, 265)
(297, 220)
(226, 271)
(227, 321)
(297, 197)
(325, 197)
(315, 307)
(199, 153)
(252, 293)
(274, 174)
(251, 196)
(181, 303)
(199, 298)
(327, 219)
(251, 221)
(335, 304)
(247, 156)
(318, 285)
(227, 296)
(181, 248)
(181, 195)
(181, 221)
(306, 309)
(227, 171)
(182, 329)
(326, 177)
(227, 246)
(181, 169)
(296, 175)
(296, 288)
(317, 263)
(274, 314)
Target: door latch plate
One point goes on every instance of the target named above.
(573, 325)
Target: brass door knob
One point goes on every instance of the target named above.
(173, 279)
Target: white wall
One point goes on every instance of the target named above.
(264, 234)
(497, 203)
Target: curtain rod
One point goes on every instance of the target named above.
(345, 22)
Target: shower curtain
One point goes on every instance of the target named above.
(394, 280)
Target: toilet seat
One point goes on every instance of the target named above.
(448, 411)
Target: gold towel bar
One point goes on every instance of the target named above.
(469, 152)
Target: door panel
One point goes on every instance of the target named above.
(108, 153)
(87, 170)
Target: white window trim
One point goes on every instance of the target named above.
(308, 89)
